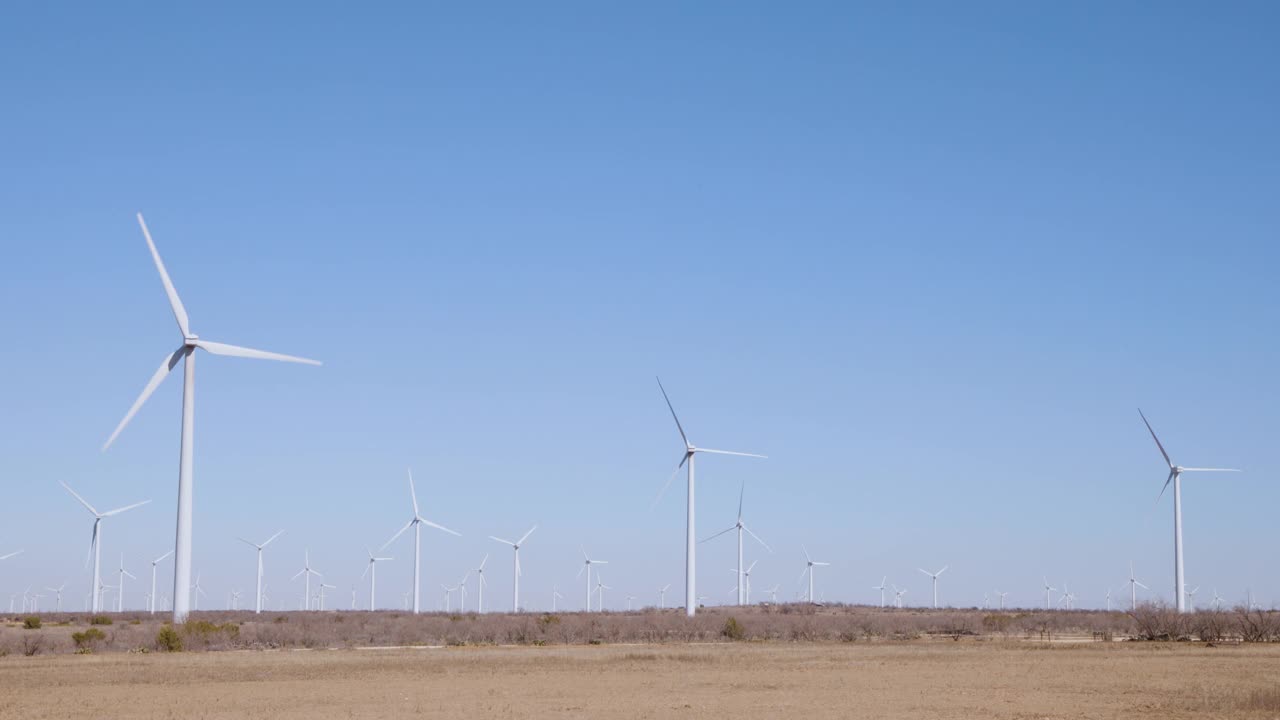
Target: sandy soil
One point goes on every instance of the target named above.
(913, 680)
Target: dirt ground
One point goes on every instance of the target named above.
(732, 680)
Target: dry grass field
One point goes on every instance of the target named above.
(922, 679)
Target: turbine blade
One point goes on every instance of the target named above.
(179, 312)
(482, 562)
(244, 352)
(741, 492)
(162, 557)
(246, 542)
(1153, 437)
(1166, 485)
(683, 437)
(757, 537)
(131, 575)
(734, 527)
(806, 553)
(393, 537)
(926, 572)
(425, 521)
(273, 537)
(117, 511)
(413, 494)
(6, 557)
(77, 496)
(667, 484)
(158, 377)
(298, 574)
(526, 535)
(366, 570)
(1187, 469)
(731, 452)
(944, 569)
(502, 541)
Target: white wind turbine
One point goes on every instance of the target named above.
(1002, 596)
(95, 543)
(662, 596)
(185, 352)
(935, 583)
(324, 587)
(515, 571)
(810, 564)
(741, 527)
(1191, 599)
(57, 593)
(897, 596)
(629, 599)
(151, 597)
(1133, 588)
(884, 583)
(1217, 600)
(1047, 589)
(123, 573)
(462, 592)
(195, 596)
(1175, 477)
(744, 578)
(1108, 599)
(586, 565)
(448, 595)
(773, 594)
(372, 571)
(690, 560)
(257, 608)
(481, 582)
(416, 522)
(235, 599)
(600, 588)
(306, 572)
(555, 595)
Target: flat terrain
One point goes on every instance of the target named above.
(940, 679)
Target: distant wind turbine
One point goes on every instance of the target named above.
(187, 350)
(586, 566)
(1133, 588)
(741, 528)
(195, 596)
(95, 543)
(810, 564)
(1191, 599)
(1175, 477)
(897, 596)
(57, 593)
(151, 597)
(515, 570)
(690, 560)
(480, 583)
(306, 572)
(935, 583)
(884, 583)
(257, 608)
(662, 596)
(1002, 596)
(416, 522)
(372, 571)
(555, 595)
(1047, 589)
(123, 573)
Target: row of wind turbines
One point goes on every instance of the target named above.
(185, 591)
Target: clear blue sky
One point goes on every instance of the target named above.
(930, 257)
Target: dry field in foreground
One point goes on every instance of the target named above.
(964, 679)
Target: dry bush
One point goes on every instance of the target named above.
(1158, 621)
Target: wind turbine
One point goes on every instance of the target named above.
(1217, 600)
(515, 571)
(1133, 588)
(324, 587)
(897, 596)
(95, 543)
(555, 595)
(629, 599)
(586, 565)
(740, 527)
(195, 597)
(58, 593)
(151, 598)
(235, 599)
(935, 583)
(1175, 477)
(123, 573)
(258, 604)
(1047, 589)
(600, 588)
(1108, 599)
(416, 522)
(186, 351)
(884, 583)
(372, 571)
(690, 560)
(662, 596)
(810, 564)
(1191, 599)
(462, 592)
(773, 594)
(306, 572)
(1067, 597)
(1002, 596)
(448, 595)
(482, 582)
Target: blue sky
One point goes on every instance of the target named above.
(930, 258)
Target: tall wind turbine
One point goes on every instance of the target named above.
(515, 571)
(587, 567)
(1175, 477)
(372, 571)
(481, 582)
(884, 583)
(935, 583)
(258, 603)
(690, 559)
(185, 352)
(151, 598)
(1002, 597)
(1133, 588)
(600, 588)
(1047, 589)
(57, 593)
(416, 522)
(740, 527)
(306, 572)
(810, 564)
(95, 543)
(123, 573)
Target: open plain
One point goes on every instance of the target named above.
(923, 679)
